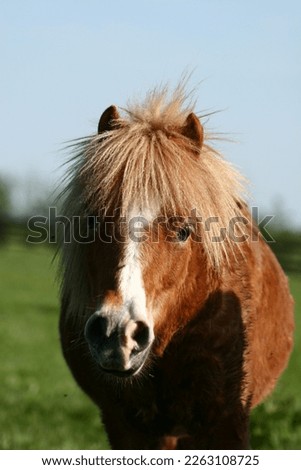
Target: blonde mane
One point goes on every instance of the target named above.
(145, 159)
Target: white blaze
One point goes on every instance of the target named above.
(131, 282)
(131, 279)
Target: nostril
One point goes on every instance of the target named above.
(141, 335)
(95, 328)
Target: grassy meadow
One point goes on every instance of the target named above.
(42, 407)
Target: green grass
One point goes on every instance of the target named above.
(42, 407)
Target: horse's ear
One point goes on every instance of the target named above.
(108, 120)
(193, 129)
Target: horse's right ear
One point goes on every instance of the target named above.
(193, 129)
(108, 120)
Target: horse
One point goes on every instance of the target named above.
(176, 317)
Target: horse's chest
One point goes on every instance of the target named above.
(163, 403)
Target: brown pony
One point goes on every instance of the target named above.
(176, 317)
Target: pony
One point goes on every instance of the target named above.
(176, 318)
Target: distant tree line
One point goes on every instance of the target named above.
(287, 248)
(4, 209)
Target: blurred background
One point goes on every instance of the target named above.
(62, 63)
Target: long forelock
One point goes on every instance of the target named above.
(145, 160)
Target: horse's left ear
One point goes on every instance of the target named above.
(108, 120)
(193, 129)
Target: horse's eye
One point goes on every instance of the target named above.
(183, 233)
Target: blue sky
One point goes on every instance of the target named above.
(64, 61)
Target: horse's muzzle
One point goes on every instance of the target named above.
(119, 348)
